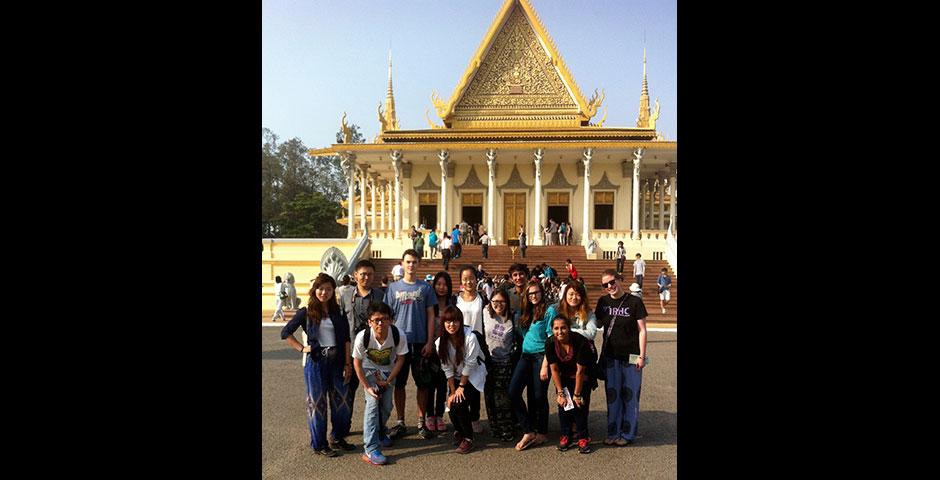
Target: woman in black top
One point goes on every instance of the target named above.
(623, 356)
(571, 358)
(327, 365)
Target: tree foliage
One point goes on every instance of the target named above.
(300, 194)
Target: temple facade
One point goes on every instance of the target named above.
(516, 144)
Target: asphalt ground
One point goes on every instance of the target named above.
(286, 452)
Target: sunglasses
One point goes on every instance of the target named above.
(609, 284)
(497, 302)
(452, 321)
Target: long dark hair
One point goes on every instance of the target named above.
(581, 312)
(450, 313)
(314, 307)
(450, 291)
(532, 313)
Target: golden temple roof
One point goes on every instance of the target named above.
(516, 78)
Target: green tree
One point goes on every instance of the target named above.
(310, 215)
(290, 175)
(271, 179)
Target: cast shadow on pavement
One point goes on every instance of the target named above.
(283, 354)
(656, 427)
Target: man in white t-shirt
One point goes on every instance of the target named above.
(377, 363)
(639, 269)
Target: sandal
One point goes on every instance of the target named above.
(526, 442)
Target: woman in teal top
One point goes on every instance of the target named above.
(531, 372)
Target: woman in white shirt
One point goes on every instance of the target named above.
(462, 362)
(471, 306)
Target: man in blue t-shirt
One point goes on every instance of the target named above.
(413, 302)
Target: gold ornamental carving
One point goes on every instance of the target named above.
(517, 73)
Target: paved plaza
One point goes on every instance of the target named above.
(285, 437)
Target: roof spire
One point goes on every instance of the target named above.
(643, 120)
(390, 98)
(388, 119)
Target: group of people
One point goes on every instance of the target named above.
(663, 281)
(459, 346)
(557, 234)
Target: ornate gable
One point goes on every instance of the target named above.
(516, 79)
(472, 182)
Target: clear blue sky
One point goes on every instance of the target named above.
(323, 57)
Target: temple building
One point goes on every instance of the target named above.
(516, 144)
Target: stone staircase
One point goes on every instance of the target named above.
(500, 258)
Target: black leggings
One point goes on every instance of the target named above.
(460, 412)
(437, 395)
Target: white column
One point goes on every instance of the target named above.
(348, 164)
(586, 213)
(635, 227)
(396, 165)
(372, 180)
(388, 206)
(650, 189)
(491, 191)
(662, 204)
(362, 197)
(382, 204)
(443, 161)
(538, 238)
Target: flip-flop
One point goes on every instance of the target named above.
(524, 444)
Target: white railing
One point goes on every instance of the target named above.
(357, 253)
(671, 255)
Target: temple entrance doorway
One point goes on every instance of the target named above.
(513, 214)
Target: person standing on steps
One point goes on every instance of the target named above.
(522, 239)
(446, 250)
(621, 256)
(639, 269)
(485, 242)
(664, 283)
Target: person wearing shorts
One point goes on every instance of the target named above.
(664, 283)
(413, 301)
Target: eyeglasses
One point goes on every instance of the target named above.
(379, 321)
(497, 302)
(453, 320)
(609, 284)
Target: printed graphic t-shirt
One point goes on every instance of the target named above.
(410, 301)
(381, 357)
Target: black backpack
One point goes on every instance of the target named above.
(483, 346)
(368, 335)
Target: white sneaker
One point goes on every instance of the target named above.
(664, 311)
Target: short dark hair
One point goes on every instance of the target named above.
(380, 307)
(519, 267)
(662, 269)
(277, 279)
(412, 252)
(364, 264)
(638, 254)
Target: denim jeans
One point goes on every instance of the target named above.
(375, 414)
(323, 377)
(526, 376)
(639, 280)
(623, 398)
